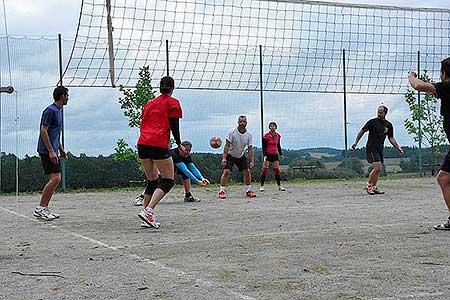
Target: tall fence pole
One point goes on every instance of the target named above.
(345, 107)
(261, 94)
(63, 163)
(167, 56)
(420, 121)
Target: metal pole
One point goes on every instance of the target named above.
(63, 163)
(261, 95)
(167, 56)
(345, 107)
(420, 121)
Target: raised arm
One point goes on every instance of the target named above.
(420, 85)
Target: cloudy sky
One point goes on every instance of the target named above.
(93, 118)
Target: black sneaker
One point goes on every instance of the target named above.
(191, 198)
(445, 226)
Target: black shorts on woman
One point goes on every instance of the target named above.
(151, 152)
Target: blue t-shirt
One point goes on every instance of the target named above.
(52, 118)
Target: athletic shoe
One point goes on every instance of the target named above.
(377, 191)
(43, 214)
(445, 226)
(222, 195)
(250, 194)
(261, 189)
(280, 188)
(369, 190)
(145, 225)
(191, 199)
(53, 213)
(139, 201)
(149, 218)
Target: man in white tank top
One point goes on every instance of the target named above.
(237, 140)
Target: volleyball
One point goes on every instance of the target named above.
(215, 142)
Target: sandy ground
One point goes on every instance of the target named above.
(313, 241)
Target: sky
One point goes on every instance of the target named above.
(94, 121)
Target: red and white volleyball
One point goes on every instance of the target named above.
(215, 142)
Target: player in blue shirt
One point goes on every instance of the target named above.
(50, 150)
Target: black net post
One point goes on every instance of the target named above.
(261, 94)
(345, 107)
(420, 120)
(167, 56)
(63, 163)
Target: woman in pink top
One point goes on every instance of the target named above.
(271, 148)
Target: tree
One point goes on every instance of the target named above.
(429, 118)
(134, 100)
(131, 104)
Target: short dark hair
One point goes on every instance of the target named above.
(186, 144)
(167, 85)
(445, 67)
(59, 91)
(385, 109)
(273, 123)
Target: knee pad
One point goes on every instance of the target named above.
(264, 171)
(151, 186)
(276, 171)
(166, 184)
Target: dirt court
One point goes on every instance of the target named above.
(316, 240)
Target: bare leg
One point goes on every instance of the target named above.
(375, 173)
(443, 178)
(47, 193)
(165, 167)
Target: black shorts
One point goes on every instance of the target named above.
(446, 163)
(150, 152)
(241, 162)
(374, 157)
(272, 157)
(48, 166)
(179, 172)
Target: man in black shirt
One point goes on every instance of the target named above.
(440, 90)
(378, 129)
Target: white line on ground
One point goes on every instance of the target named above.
(175, 271)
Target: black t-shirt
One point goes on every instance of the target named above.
(378, 130)
(177, 158)
(443, 93)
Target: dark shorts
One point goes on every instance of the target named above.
(150, 152)
(374, 157)
(179, 172)
(446, 163)
(272, 157)
(48, 166)
(241, 163)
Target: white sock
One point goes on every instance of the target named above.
(222, 188)
(149, 209)
(248, 188)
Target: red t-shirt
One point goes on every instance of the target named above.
(272, 142)
(155, 127)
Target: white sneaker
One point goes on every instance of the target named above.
(53, 213)
(280, 188)
(145, 225)
(43, 213)
(139, 201)
(261, 189)
(149, 218)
